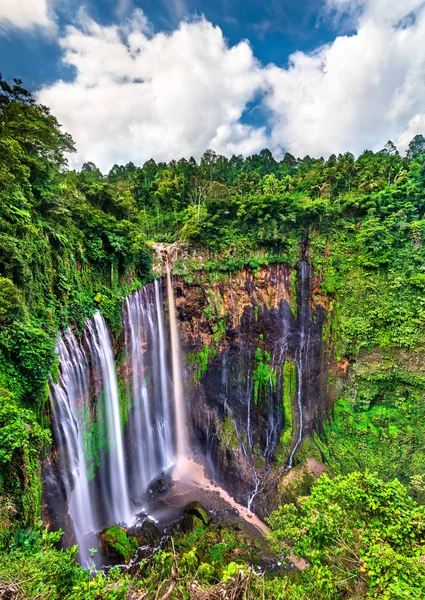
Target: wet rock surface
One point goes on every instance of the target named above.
(237, 421)
(238, 334)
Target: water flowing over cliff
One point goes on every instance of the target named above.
(126, 414)
(68, 394)
(115, 436)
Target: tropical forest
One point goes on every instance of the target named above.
(212, 375)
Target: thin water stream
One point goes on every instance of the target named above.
(301, 357)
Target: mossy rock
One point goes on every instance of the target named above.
(308, 449)
(197, 510)
(115, 542)
(195, 516)
(297, 483)
(151, 533)
(227, 436)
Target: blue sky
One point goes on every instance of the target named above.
(131, 79)
(275, 29)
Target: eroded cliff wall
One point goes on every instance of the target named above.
(256, 372)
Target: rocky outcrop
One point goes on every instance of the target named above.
(241, 336)
(238, 334)
(256, 381)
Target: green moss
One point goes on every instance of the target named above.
(262, 375)
(95, 437)
(228, 436)
(308, 449)
(297, 484)
(289, 391)
(200, 360)
(125, 402)
(118, 540)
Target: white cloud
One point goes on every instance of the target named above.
(387, 11)
(358, 91)
(26, 14)
(138, 95)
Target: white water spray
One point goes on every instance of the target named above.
(101, 348)
(68, 396)
(180, 419)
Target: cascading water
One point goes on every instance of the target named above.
(165, 378)
(181, 436)
(301, 356)
(140, 428)
(110, 450)
(101, 352)
(69, 395)
(150, 429)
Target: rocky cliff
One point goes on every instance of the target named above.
(256, 373)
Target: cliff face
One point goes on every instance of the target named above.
(257, 373)
(256, 383)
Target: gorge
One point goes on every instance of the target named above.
(122, 423)
(211, 373)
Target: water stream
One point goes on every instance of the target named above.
(101, 353)
(301, 356)
(120, 423)
(68, 394)
(180, 420)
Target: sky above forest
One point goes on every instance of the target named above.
(135, 79)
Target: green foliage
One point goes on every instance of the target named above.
(40, 570)
(361, 537)
(10, 302)
(379, 423)
(263, 375)
(21, 440)
(289, 389)
(118, 540)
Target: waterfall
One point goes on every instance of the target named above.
(301, 355)
(69, 395)
(181, 437)
(167, 446)
(141, 424)
(120, 426)
(150, 429)
(99, 342)
(115, 438)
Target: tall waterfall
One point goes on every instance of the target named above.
(69, 395)
(150, 431)
(177, 376)
(115, 435)
(102, 356)
(301, 355)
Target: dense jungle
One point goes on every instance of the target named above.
(299, 290)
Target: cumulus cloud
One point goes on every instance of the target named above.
(358, 91)
(389, 11)
(23, 14)
(138, 94)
